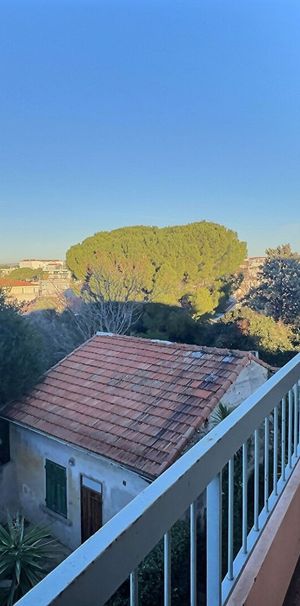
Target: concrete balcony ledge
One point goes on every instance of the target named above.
(269, 570)
(292, 597)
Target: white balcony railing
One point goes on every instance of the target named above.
(261, 438)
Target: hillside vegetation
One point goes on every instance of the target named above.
(185, 265)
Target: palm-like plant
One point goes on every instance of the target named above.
(220, 413)
(26, 555)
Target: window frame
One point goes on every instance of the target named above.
(55, 480)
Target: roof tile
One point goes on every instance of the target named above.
(133, 400)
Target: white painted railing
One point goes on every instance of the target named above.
(261, 437)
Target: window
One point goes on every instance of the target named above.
(56, 488)
(4, 442)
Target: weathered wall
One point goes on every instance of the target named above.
(8, 490)
(29, 450)
(249, 380)
(251, 377)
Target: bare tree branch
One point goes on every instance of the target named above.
(112, 300)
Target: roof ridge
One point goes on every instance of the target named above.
(181, 346)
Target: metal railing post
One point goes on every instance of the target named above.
(245, 498)
(134, 593)
(167, 569)
(193, 554)
(214, 541)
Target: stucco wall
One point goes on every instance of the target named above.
(249, 380)
(251, 377)
(8, 489)
(22, 482)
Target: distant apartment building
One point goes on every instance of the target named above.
(55, 285)
(59, 274)
(251, 271)
(45, 264)
(55, 268)
(20, 290)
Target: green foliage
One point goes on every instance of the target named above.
(229, 287)
(20, 353)
(151, 570)
(264, 333)
(246, 329)
(26, 273)
(26, 555)
(220, 413)
(167, 323)
(151, 575)
(6, 305)
(278, 294)
(45, 303)
(241, 328)
(205, 300)
(182, 265)
(283, 251)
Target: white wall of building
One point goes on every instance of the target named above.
(27, 292)
(248, 381)
(41, 263)
(23, 485)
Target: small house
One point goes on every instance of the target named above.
(107, 420)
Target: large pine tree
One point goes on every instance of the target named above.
(182, 265)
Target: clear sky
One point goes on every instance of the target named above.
(123, 112)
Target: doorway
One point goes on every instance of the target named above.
(91, 507)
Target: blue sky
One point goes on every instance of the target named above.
(123, 112)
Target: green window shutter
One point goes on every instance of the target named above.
(56, 488)
(4, 442)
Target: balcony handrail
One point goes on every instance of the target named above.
(92, 573)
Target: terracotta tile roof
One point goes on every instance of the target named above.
(10, 282)
(133, 400)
